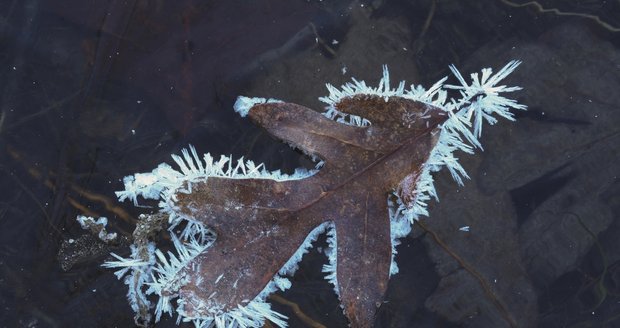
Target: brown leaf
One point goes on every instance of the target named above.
(261, 223)
(245, 228)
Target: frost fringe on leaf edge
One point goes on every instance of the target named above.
(479, 101)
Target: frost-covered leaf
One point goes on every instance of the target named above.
(260, 223)
(245, 228)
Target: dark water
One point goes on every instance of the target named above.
(93, 91)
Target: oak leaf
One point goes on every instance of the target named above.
(245, 228)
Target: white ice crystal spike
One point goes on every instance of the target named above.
(195, 230)
(332, 257)
(139, 270)
(181, 163)
(123, 262)
(166, 281)
(192, 160)
(459, 77)
(196, 159)
(384, 84)
(434, 90)
(251, 315)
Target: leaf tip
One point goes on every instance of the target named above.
(244, 104)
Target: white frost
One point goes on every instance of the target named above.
(89, 223)
(244, 104)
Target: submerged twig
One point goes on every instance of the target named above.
(481, 280)
(419, 43)
(600, 289)
(107, 202)
(539, 8)
(320, 40)
(29, 192)
(43, 111)
(297, 310)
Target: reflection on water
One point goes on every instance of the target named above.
(93, 92)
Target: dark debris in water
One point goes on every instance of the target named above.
(83, 249)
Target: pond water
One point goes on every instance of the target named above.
(94, 91)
